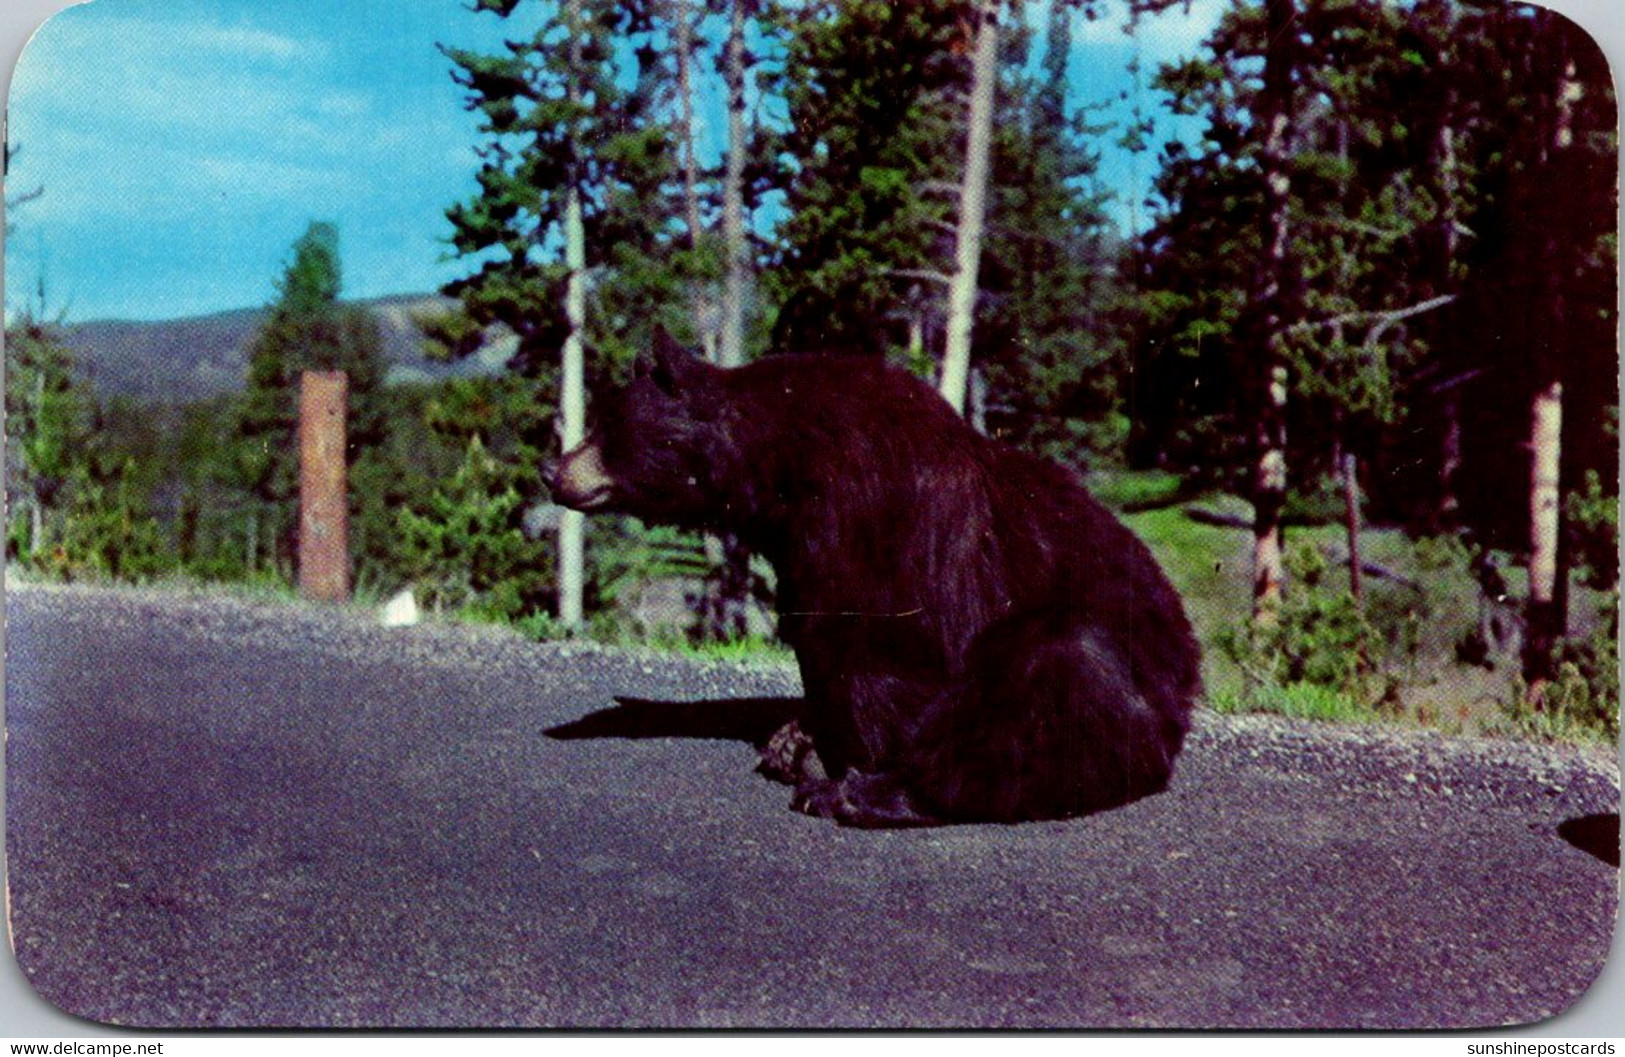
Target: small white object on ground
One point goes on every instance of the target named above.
(401, 611)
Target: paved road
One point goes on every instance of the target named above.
(231, 814)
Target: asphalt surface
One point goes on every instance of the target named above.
(224, 813)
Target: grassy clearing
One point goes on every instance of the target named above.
(1212, 566)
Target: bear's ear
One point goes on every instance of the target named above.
(673, 368)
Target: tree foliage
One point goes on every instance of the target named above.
(1440, 251)
(307, 329)
(1417, 174)
(549, 124)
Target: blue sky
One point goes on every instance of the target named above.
(183, 145)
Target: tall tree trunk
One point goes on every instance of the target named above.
(725, 606)
(1345, 462)
(1269, 498)
(1447, 507)
(572, 386)
(1270, 472)
(732, 352)
(684, 42)
(1348, 469)
(1546, 617)
(972, 207)
(573, 413)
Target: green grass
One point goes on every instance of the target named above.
(1296, 700)
(750, 649)
(1136, 489)
(263, 587)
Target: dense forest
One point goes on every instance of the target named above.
(1356, 380)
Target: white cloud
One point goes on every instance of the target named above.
(249, 43)
(270, 179)
(144, 75)
(345, 105)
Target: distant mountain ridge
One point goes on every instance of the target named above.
(180, 361)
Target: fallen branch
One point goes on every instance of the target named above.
(1381, 572)
(1203, 516)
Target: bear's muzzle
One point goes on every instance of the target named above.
(581, 481)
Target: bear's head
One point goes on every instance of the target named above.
(656, 447)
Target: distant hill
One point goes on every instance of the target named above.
(183, 360)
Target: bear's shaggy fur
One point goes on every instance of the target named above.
(979, 639)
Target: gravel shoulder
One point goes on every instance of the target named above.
(223, 812)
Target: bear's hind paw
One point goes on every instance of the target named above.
(865, 801)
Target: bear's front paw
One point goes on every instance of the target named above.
(788, 757)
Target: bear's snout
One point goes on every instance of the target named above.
(580, 479)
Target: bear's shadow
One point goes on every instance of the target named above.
(1594, 834)
(749, 719)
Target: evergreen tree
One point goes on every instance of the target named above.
(307, 329)
(49, 430)
(571, 105)
(878, 96)
(1449, 182)
(575, 167)
(78, 504)
(1558, 263)
(873, 95)
(461, 546)
(1050, 340)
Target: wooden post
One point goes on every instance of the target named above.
(324, 546)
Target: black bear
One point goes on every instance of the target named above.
(979, 639)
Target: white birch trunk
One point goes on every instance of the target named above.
(572, 385)
(1546, 439)
(732, 350)
(1546, 619)
(972, 210)
(573, 413)
(704, 324)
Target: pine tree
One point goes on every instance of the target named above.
(1050, 339)
(306, 329)
(575, 167)
(874, 97)
(462, 548)
(1449, 189)
(49, 431)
